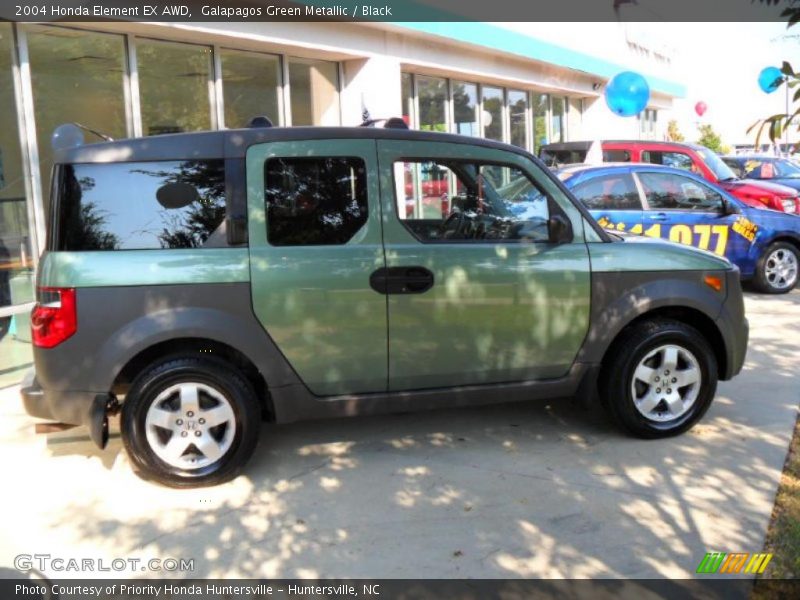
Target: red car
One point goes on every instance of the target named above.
(691, 157)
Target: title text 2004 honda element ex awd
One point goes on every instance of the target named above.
(202, 282)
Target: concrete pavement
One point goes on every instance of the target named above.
(523, 490)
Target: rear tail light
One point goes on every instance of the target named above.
(54, 318)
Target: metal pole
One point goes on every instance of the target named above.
(786, 127)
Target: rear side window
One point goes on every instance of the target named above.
(611, 192)
(314, 201)
(139, 205)
(616, 156)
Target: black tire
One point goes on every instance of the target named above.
(633, 346)
(769, 284)
(225, 381)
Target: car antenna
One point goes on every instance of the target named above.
(102, 136)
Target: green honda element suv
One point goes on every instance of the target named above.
(200, 283)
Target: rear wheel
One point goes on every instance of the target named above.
(190, 421)
(661, 378)
(777, 269)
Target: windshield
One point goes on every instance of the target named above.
(721, 171)
(786, 169)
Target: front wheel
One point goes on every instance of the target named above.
(777, 269)
(660, 379)
(189, 421)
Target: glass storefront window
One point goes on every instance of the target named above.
(465, 108)
(407, 93)
(493, 113)
(77, 76)
(432, 94)
(173, 86)
(558, 115)
(16, 256)
(540, 104)
(250, 87)
(314, 89)
(518, 117)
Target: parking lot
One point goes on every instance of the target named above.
(522, 490)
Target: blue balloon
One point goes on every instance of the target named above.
(627, 94)
(770, 79)
(66, 136)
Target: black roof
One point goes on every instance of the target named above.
(233, 143)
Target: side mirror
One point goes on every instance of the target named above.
(729, 208)
(560, 229)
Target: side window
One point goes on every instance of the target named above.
(139, 205)
(441, 200)
(735, 166)
(612, 192)
(676, 160)
(665, 191)
(314, 201)
(616, 156)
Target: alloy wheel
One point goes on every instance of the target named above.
(666, 383)
(780, 269)
(190, 425)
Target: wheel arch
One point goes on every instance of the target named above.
(684, 314)
(200, 346)
(623, 299)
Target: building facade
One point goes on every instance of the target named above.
(125, 79)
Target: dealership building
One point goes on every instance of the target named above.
(525, 84)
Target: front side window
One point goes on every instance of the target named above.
(443, 200)
(665, 191)
(676, 160)
(612, 192)
(314, 201)
(140, 205)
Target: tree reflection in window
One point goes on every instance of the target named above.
(314, 201)
(115, 206)
(192, 226)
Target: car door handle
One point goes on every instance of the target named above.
(658, 216)
(401, 280)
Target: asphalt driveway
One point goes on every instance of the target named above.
(523, 490)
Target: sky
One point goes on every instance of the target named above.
(718, 63)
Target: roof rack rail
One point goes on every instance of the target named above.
(260, 121)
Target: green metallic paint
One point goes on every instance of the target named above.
(315, 301)
(143, 267)
(652, 255)
(498, 312)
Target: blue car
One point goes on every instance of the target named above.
(679, 206)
